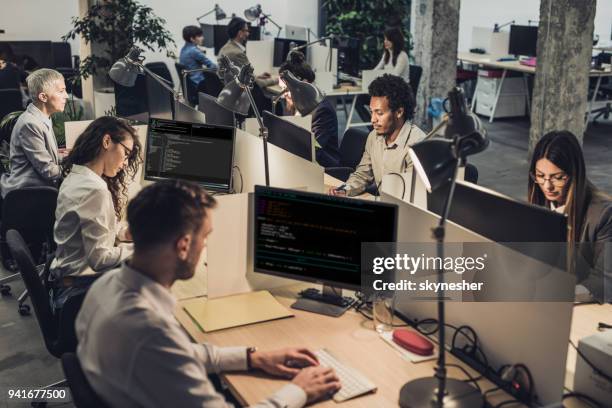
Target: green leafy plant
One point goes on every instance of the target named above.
(367, 20)
(117, 25)
(71, 112)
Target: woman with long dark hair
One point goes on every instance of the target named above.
(395, 57)
(91, 199)
(558, 180)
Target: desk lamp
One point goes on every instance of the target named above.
(437, 161)
(237, 97)
(126, 70)
(219, 13)
(306, 96)
(255, 12)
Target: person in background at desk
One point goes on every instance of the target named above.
(324, 118)
(235, 50)
(34, 158)
(192, 57)
(90, 201)
(394, 59)
(558, 181)
(386, 150)
(133, 350)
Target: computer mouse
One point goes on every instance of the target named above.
(413, 342)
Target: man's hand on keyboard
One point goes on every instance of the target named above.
(284, 362)
(317, 382)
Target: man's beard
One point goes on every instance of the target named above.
(185, 269)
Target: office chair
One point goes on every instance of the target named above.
(415, 78)
(57, 331)
(83, 395)
(161, 69)
(605, 89)
(10, 101)
(131, 100)
(471, 173)
(188, 88)
(31, 211)
(212, 84)
(351, 150)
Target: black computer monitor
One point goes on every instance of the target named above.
(190, 151)
(160, 101)
(523, 40)
(208, 30)
(316, 237)
(215, 114)
(220, 36)
(498, 217)
(348, 55)
(288, 136)
(282, 46)
(62, 56)
(32, 54)
(185, 113)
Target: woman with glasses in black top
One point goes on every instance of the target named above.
(558, 181)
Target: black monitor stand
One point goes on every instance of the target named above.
(329, 301)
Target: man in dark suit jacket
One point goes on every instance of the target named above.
(324, 118)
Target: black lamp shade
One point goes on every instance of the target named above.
(234, 97)
(306, 96)
(434, 162)
(219, 13)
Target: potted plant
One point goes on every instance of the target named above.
(366, 21)
(113, 27)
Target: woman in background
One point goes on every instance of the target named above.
(557, 180)
(395, 57)
(91, 198)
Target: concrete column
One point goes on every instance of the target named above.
(564, 50)
(436, 35)
(85, 51)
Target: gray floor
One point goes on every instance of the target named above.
(503, 167)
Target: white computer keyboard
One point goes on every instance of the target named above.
(353, 382)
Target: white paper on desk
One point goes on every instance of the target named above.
(407, 355)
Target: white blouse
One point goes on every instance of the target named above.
(401, 67)
(85, 226)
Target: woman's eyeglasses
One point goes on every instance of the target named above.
(126, 150)
(556, 180)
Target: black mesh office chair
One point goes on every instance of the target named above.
(351, 150)
(31, 211)
(83, 395)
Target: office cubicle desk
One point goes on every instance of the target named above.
(487, 61)
(344, 91)
(351, 338)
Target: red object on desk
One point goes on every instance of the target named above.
(413, 342)
(530, 62)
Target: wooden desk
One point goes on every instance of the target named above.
(486, 61)
(351, 338)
